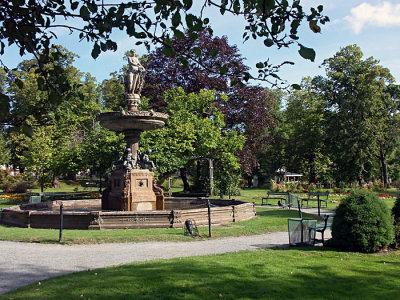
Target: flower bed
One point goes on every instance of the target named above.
(17, 198)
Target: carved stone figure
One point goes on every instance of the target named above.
(117, 163)
(143, 160)
(129, 161)
(134, 76)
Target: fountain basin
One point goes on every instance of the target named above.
(87, 214)
(132, 120)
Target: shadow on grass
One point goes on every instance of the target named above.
(279, 274)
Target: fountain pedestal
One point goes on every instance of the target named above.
(134, 190)
(141, 194)
(132, 183)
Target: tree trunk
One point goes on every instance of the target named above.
(186, 186)
(311, 170)
(249, 181)
(100, 186)
(384, 170)
(163, 177)
(198, 170)
(54, 182)
(42, 182)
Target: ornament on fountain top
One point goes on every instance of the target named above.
(134, 81)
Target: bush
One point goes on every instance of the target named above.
(362, 223)
(396, 217)
(396, 184)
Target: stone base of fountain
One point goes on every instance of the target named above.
(87, 214)
(134, 190)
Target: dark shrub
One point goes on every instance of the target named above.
(396, 216)
(362, 223)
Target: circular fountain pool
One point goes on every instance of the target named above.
(87, 214)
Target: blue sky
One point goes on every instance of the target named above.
(373, 25)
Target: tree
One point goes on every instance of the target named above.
(357, 106)
(112, 91)
(75, 134)
(4, 152)
(304, 117)
(248, 107)
(29, 25)
(98, 150)
(39, 154)
(250, 111)
(194, 130)
(201, 72)
(388, 130)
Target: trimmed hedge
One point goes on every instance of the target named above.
(362, 223)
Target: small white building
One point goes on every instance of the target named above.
(283, 176)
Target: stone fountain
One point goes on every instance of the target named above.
(132, 181)
(133, 199)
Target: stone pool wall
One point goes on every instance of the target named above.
(47, 215)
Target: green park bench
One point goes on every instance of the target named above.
(314, 196)
(280, 196)
(285, 199)
(321, 229)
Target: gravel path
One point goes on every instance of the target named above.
(24, 263)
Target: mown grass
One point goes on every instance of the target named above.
(267, 220)
(255, 195)
(300, 273)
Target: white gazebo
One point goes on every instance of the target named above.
(284, 176)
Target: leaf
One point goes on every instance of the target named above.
(213, 53)
(189, 21)
(84, 13)
(296, 86)
(74, 5)
(314, 27)
(167, 51)
(176, 19)
(197, 51)
(223, 70)
(268, 42)
(179, 34)
(260, 65)
(236, 6)
(269, 4)
(188, 4)
(96, 50)
(307, 53)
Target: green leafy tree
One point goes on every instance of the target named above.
(73, 118)
(356, 105)
(193, 131)
(98, 150)
(39, 155)
(4, 151)
(304, 117)
(273, 156)
(112, 91)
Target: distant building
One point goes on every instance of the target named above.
(283, 176)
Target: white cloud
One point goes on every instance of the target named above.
(384, 14)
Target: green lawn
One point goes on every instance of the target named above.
(268, 220)
(297, 273)
(255, 195)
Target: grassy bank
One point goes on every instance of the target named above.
(302, 273)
